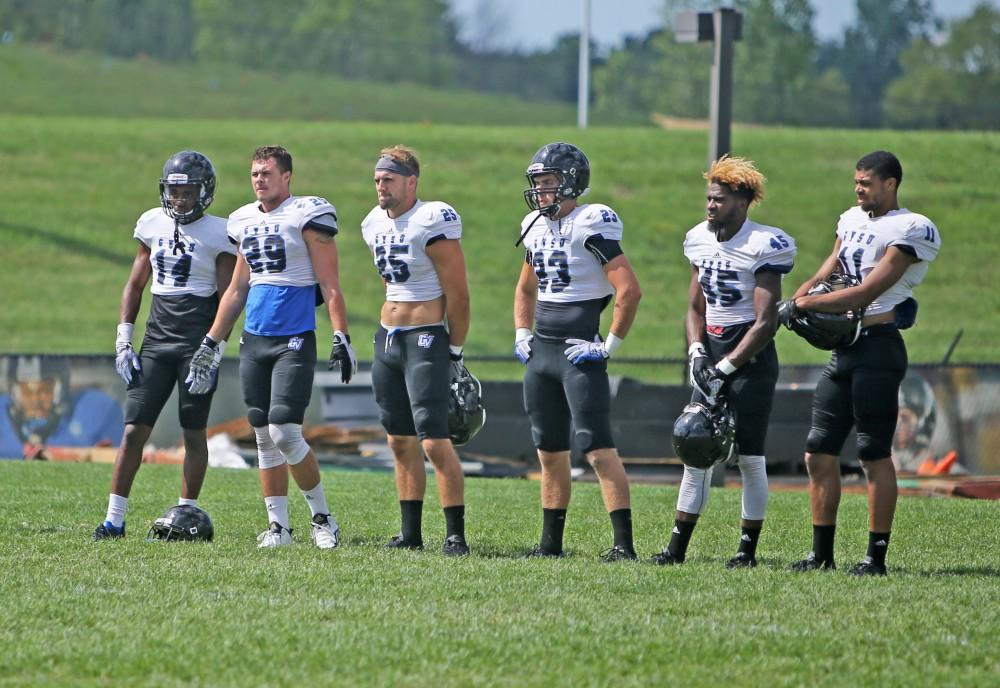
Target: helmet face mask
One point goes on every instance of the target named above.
(182, 522)
(571, 169)
(187, 187)
(704, 436)
(466, 413)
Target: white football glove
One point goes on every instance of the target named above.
(697, 360)
(522, 344)
(126, 360)
(204, 368)
(580, 350)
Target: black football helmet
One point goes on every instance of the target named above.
(182, 522)
(466, 413)
(568, 163)
(704, 435)
(188, 167)
(829, 331)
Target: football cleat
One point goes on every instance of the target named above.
(742, 560)
(666, 558)
(107, 531)
(867, 567)
(325, 531)
(455, 546)
(397, 542)
(811, 563)
(275, 536)
(618, 553)
(540, 552)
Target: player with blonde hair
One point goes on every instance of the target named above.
(736, 271)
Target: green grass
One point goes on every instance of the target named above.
(40, 81)
(137, 613)
(74, 187)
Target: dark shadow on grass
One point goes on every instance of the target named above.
(67, 243)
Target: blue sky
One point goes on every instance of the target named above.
(531, 24)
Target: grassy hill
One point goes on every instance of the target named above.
(40, 81)
(74, 187)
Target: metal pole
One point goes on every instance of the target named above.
(721, 106)
(583, 87)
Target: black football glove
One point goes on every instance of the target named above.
(787, 312)
(342, 356)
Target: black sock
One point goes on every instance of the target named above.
(878, 544)
(454, 520)
(823, 543)
(411, 511)
(680, 537)
(748, 541)
(621, 524)
(553, 524)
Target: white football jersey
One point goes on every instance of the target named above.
(864, 240)
(727, 269)
(191, 271)
(272, 243)
(566, 270)
(399, 247)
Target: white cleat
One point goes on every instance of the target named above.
(325, 531)
(275, 536)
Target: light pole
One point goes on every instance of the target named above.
(583, 85)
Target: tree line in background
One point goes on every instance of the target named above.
(897, 65)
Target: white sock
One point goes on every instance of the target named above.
(316, 499)
(187, 502)
(754, 473)
(277, 510)
(117, 506)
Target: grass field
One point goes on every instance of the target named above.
(137, 613)
(76, 185)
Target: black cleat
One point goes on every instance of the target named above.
(618, 553)
(455, 546)
(666, 558)
(811, 563)
(397, 542)
(742, 560)
(106, 531)
(541, 553)
(867, 567)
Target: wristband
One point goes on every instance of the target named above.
(612, 343)
(456, 351)
(209, 342)
(696, 349)
(522, 333)
(124, 334)
(221, 347)
(726, 367)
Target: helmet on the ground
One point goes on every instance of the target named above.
(569, 164)
(182, 522)
(704, 436)
(466, 413)
(187, 168)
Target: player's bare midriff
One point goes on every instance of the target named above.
(409, 313)
(878, 319)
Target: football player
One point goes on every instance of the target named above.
(573, 267)
(190, 260)
(887, 249)
(418, 345)
(285, 248)
(736, 271)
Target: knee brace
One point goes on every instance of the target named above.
(288, 437)
(693, 495)
(754, 472)
(282, 414)
(268, 455)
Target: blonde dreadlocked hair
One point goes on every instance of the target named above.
(740, 175)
